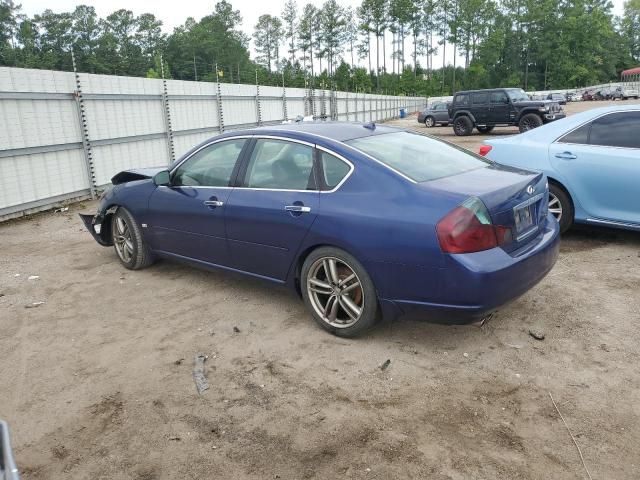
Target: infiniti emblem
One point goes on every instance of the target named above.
(530, 189)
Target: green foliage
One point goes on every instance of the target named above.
(534, 44)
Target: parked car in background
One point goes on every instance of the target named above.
(500, 107)
(624, 92)
(435, 114)
(557, 97)
(592, 161)
(588, 95)
(359, 219)
(8, 469)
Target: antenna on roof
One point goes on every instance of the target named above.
(370, 125)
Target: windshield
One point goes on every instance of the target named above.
(517, 95)
(418, 157)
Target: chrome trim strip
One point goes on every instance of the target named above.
(613, 222)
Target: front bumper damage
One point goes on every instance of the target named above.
(94, 225)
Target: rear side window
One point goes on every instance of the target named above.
(333, 170)
(620, 129)
(579, 136)
(462, 99)
(480, 98)
(280, 165)
(418, 157)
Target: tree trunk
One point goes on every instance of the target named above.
(384, 51)
(377, 58)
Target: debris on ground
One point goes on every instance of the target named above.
(236, 330)
(513, 345)
(175, 439)
(179, 361)
(537, 334)
(34, 305)
(385, 365)
(33, 277)
(465, 355)
(17, 275)
(198, 373)
(61, 210)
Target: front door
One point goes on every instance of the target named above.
(269, 215)
(500, 108)
(187, 218)
(602, 162)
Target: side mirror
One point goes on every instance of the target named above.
(162, 178)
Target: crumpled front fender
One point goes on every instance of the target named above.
(98, 228)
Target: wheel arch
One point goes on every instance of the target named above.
(559, 184)
(464, 113)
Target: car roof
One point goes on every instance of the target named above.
(488, 90)
(337, 131)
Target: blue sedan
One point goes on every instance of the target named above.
(592, 160)
(364, 221)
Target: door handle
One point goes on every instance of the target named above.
(213, 203)
(566, 156)
(297, 208)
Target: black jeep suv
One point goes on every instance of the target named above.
(500, 107)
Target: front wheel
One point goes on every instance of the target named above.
(529, 122)
(429, 122)
(339, 292)
(128, 242)
(560, 206)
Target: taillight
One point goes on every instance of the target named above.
(468, 228)
(484, 149)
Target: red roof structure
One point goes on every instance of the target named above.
(631, 71)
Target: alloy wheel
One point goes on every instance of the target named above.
(335, 292)
(555, 207)
(123, 240)
(429, 122)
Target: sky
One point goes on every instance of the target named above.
(174, 13)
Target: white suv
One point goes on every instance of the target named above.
(624, 93)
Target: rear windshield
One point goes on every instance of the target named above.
(418, 157)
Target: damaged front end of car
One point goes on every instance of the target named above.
(99, 224)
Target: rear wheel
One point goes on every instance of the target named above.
(339, 292)
(128, 242)
(485, 129)
(560, 206)
(529, 122)
(462, 126)
(429, 122)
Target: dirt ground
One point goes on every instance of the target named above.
(97, 381)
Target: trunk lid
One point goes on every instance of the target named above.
(515, 198)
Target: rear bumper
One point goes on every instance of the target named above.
(476, 284)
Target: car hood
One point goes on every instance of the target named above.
(135, 174)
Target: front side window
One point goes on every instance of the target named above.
(333, 170)
(499, 98)
(280, 165)
(418, 157)
(616, 130)
(517, 95)
(212, 166)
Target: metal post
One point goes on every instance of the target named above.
(84, 131)
(167, 114)
(258, 109)
(346, 102)
(219, 102)
(284, 99)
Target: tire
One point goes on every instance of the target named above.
(128, 242)
(485, 129)
(429, 122)
(462, 126)
(319, 287)
(529, 122)
(559, 196)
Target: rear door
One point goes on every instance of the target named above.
(187, 218)
(480, 107)
(601, 162)
(269, 214)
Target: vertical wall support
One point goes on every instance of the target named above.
(371, 108)
(258, 107)
(323, 105)
(284, 100)
(346, 102)
(219, 102)
(167, 115)
(84, 131)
